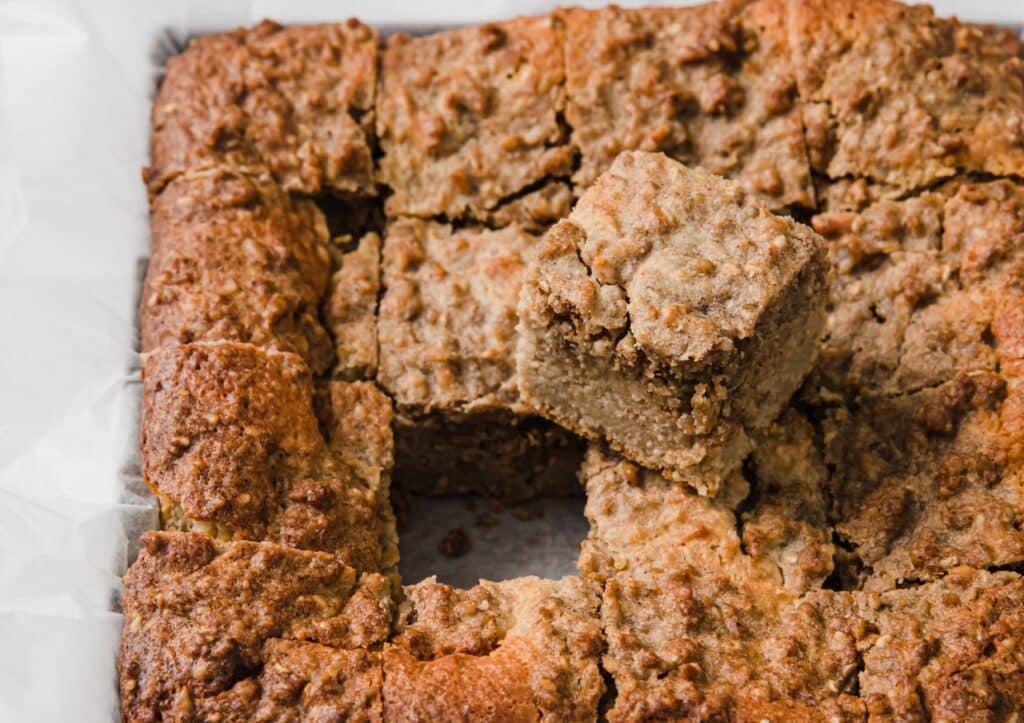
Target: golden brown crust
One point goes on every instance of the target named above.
(200, 618)
(712, 608)
(470, 117)
(899, 96)
(709, 86)
(301, 681)
(525, 649)
(359, 432)
(236, 259)
(949, 650)
(298, 100)
(786, 518)
(684, 312)
(231, 444)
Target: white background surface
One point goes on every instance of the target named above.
(75, 84)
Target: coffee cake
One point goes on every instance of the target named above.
(227, 627)
(520, 650)
(234, 258)
(470, 118)
(843, 553)
(918, 284)
(299, 100)
(949, 650)
(896, 95)
(350, 310)
(697, 628)
(231, 446)
(709, 85)
(671, 315)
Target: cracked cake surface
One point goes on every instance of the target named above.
(234, 258)
(896, 95)
(468, 118)
(919, 285)
(519, 650)
(215, 627)
(709, 85)
(231, 446)
(681, 311)
(765, 254)
(697, 628)
(299, 100)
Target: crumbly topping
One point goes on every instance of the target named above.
(468, 118)
(896, 95)
(448, 315)
(298, 100)
(229, 436)
(709, 86)
(201, 617)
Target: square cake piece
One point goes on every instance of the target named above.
(243, 629)
(299, 100)
(896, 95)
(918, 285)
(709, 86)
(671, 315)
(697, 627)
(447, 333)
(235, 258)
(232, 447)
(469, 118)
(520, 650)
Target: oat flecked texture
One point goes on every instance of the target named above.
(681, 313)
(520, 650)
(236, 628)
(299, 100)
(471, 118)
(710, 85)
(896, 95)
(749, 275)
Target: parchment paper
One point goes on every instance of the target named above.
(76, 80)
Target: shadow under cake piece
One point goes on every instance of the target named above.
(520, 650)
(447, 333)
(671, 315)
(709, 86)
(470, 118)
(245, 631)
(917, 284)
(950, 650)
(700, 628)
(299, 100)
(896, 95)
(231, 446)
(234, 258)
